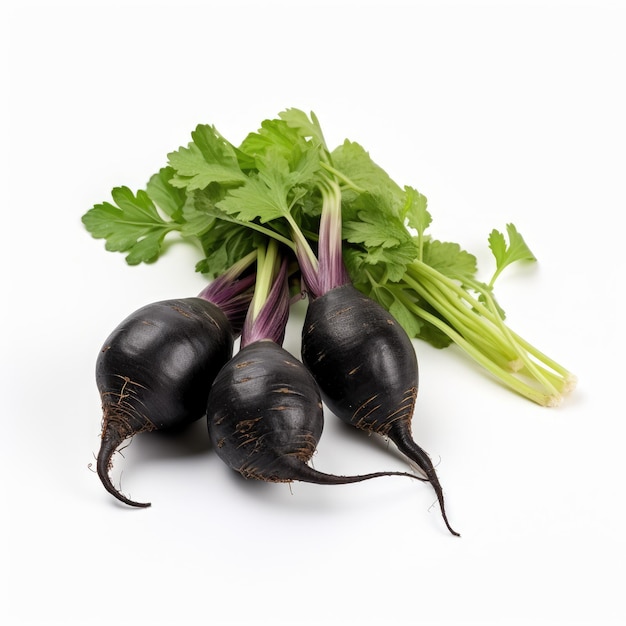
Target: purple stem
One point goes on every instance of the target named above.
(232, 293)
(233, 299)
(332, 271)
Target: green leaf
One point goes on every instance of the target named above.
(137, 207)
(133, 226)
(304, 167)
(199, 210)
(450, 259)
(432, 335)
(224, 244)
(146, 250)
(305, 125)
(415, 211)
(516, 250)
(207, 159)
(168, 198)
(397, 259)
(411, 324)
(277, 186)
(275, 135)
(375, 230)
(365, 176)
(389, 263)
(255, 199)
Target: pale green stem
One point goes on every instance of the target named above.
(239, 266)
(299, 243)
(521, 345)
(457, 317)
(341, 177)
(523, 354)
(267, 260)
(503, 375)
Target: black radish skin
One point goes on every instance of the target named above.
(366, 368)
(265, 417)
(154, 372)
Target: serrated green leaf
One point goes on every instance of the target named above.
(146, 250)
(255, 200)
(392, 262)
(214, 147)
(415, 210)
(450, 259)
(199, 211)
(274, 134)
(307, 126)
(137, 207)
(168, 198)
(207, 159)
(100, 220)
(375, 230)
(516, 250)
(356, 165)
(397, 260)
(305, 165)
(276, 187)
(133, 226)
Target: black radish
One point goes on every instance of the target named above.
(366, 368)
(265, 418)
(154, 372)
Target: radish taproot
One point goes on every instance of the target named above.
(265, 414)
(366, 368)
(154, 371)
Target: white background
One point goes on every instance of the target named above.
(498, 112)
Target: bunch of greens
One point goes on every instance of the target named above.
(336, 210)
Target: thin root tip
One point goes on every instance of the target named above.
(106, 481)
(454, 532)
(103, 464)
(137, 505)
(445, 518)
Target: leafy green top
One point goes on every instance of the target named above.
(283, 183)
